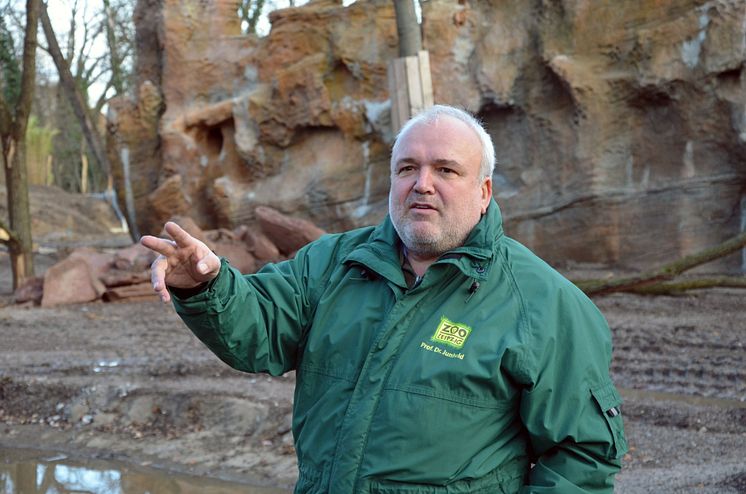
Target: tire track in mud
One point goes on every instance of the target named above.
(680, 364)
(647, 358)
(696, 346)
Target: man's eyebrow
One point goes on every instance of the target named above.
(447, 162)
(440, 162)
(407, 160)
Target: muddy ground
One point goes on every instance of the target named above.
(129, 381)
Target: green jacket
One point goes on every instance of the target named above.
(492, 363)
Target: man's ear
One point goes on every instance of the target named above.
(486, 193)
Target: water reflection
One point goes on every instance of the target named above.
(30, 472)
(105, 364)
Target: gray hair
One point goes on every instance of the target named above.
(432, 114)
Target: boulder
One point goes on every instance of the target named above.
(134, 258)
(260, 246)
(116, 278)
(99, 262)
(237, 254)
(31, 290)
(288, 234)
(70, 281)
(225, 243)
(133, 292)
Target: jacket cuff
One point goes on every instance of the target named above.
(185, 293)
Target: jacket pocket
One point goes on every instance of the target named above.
(609, 402)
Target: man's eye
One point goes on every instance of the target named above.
(445, 170)
(405, 169)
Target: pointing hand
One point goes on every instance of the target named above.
(184, 262)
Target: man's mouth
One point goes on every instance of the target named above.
(419, 205)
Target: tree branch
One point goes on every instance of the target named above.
(71, 34)
(665, 273)
(43, 48)
(102, 99)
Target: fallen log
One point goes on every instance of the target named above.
(664, 273)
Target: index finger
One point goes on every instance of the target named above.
(159, 245)
(180, 236)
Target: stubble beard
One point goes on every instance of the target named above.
(430, 241)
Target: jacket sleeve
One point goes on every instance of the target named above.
(254, 323)
(570, 407)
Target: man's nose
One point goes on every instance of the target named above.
(424, 184)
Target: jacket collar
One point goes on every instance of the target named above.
(381, 252)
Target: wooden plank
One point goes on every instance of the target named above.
(402, 94)
(413, 85)
(425, 78)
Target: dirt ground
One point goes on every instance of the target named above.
(129, 381)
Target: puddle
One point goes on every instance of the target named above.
(25, 471)
(105, 364)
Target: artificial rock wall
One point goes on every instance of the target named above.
(620, 125)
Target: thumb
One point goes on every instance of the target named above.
(209, 265)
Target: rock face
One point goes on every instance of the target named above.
(620, 126)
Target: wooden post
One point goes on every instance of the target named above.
(84, 173)
(410, 87)
(50, 177)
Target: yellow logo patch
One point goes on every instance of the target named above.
(451, 333)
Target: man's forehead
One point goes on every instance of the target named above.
(444, 127)
(448, 137)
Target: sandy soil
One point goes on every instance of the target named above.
(129, 381)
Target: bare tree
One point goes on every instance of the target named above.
(14, 116)
(108, 71)
(74, 95)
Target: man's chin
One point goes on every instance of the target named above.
(421, 240)
(424, 234)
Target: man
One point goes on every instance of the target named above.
(433, 353)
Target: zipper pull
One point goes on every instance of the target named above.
(472, 290)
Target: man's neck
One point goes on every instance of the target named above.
(418, 263)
